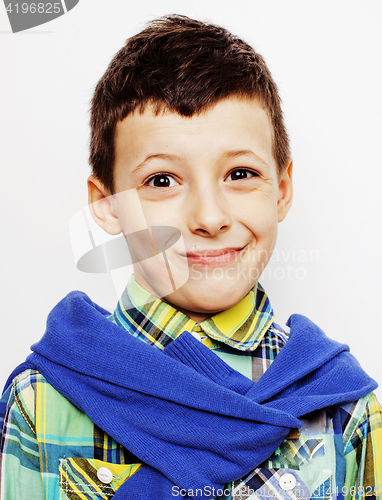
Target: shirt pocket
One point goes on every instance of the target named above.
(300, 469)
(88, 479)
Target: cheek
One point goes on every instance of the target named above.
(162, 214)
(260, 219)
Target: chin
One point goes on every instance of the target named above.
(214, 303)
(209, 296)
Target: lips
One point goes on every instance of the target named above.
(213, 257)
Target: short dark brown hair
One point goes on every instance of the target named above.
(185, 66)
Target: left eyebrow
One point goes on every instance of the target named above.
(244, 152)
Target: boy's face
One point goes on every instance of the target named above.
(212, 176)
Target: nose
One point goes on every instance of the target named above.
(209, 213)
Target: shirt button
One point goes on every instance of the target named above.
(105, 475)
(287, 482)
(196, 335)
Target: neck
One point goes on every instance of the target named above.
(196, 316)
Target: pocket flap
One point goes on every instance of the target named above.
(79, 478)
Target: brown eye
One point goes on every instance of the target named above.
(161, 181)
(241, 173)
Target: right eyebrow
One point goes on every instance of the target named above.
(161, 156)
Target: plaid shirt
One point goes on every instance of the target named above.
(51, 450)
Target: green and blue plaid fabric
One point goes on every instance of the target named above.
(51, 450)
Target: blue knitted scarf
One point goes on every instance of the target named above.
(194, 421)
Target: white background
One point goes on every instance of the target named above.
(325, 57)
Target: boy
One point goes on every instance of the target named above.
(188, 135)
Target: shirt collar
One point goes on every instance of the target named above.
(242, 326)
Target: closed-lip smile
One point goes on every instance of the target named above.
(213, 257)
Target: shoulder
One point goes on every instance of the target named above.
(31, 395)
(20, 396)
(33, 408)
(361, 420)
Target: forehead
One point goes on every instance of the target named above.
(232, 125)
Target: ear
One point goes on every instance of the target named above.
(100, 206)
(285, 192)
